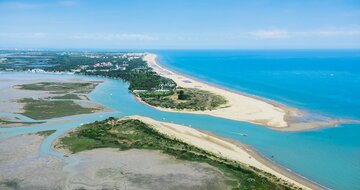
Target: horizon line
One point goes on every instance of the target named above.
(184, 49)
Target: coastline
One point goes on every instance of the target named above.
(241, 107)
(228, 149)
(274, 166)
(222, 147)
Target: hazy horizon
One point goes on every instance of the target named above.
(160, 24)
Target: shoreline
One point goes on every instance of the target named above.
(263, 159)
(228, 149)
(263, 112)
(273, 165)
(220, 146)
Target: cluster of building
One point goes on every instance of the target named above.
(131, 56)
(2, 60)
(109, 65)
(103, 64)
(43, 71)
(128, 56)
(91, 56)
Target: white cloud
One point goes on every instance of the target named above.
(115, 37)
(270, 34)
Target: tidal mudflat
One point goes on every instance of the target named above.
(238, 166)
(22, 167)
(25, 101)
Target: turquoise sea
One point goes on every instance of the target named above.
(320, 82)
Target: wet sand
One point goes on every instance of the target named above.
(141, 169)
(22, 167)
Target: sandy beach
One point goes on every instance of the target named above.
(239, 107)
(224, 148)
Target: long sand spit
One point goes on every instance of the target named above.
(226, 149)
(241, 107)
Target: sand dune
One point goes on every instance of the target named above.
(224, 148)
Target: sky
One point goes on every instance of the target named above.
(180, 24)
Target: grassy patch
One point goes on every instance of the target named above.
(5, 122)
(12, 184)
(46, 133)
(67, 97)
(131, 133)
(60, 87)
(46, 109)
(183, 98)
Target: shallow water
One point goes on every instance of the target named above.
(328, 156)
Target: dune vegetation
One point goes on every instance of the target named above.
(134, 134)
(41, 109)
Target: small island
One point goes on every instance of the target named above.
(63, 99)
(38, 100)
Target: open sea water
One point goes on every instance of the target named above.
(321, 82)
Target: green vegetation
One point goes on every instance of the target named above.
(46, 109)
(183, 98)
(10, 184)
(130, 133)
(57, 106)
(137, 74)
(67, 97)
(59, 87)
(6, 122)
(46, 133)
(131, 68)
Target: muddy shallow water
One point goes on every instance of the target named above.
(22, 167)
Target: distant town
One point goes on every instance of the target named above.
(44, 61)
